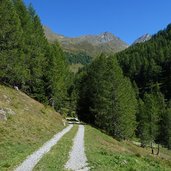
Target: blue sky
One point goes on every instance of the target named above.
(127, 19)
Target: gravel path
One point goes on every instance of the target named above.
(34, 158)
(77, 160)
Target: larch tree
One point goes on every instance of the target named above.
(11, 41)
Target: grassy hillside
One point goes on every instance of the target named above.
(105, 153)
(29, 124)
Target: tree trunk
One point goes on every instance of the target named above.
(158, 150)
(143, 145)
(152, 149)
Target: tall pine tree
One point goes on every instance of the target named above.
(11, 41)
(107, 98)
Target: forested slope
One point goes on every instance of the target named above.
(28, 61)
(148, 65)
(128, 94)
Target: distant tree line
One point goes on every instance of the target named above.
(79, 57)
(27, 60)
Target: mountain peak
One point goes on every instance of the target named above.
(106, 37)
(143, 38)
(107, 34)
(93, 45)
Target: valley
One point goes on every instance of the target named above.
(88, 102)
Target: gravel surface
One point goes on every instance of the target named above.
(77, 159)
(34, 158)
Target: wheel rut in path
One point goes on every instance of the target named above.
(77, 158)
(34, 158)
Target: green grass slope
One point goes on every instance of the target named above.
(29, 124)
(106, 154)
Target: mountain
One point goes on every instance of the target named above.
(90, 44)
(142, 39)
(51, 36)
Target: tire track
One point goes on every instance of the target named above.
(77, 159)
(34, 158)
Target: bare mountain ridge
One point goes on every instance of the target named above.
(91, 44)
(142, 39)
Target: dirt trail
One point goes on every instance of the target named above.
(78, 160)
(34, 158)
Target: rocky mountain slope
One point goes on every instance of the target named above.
(91, 44)
(142, 39)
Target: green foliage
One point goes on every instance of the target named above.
(77, 58)
(148, 64)
(107, 98)
(149, 118)
(11, 56)
(58, 76)
(27, 59)
(165, 133)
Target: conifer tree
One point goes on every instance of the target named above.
(117, 98)
(107, 99)
(58, 76)
(168, 128)
(11, 56)
(165, 129)
(35, 50)
(149, 118)
(38, 60)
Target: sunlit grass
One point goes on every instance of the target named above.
(105, 153)
(25, 131)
